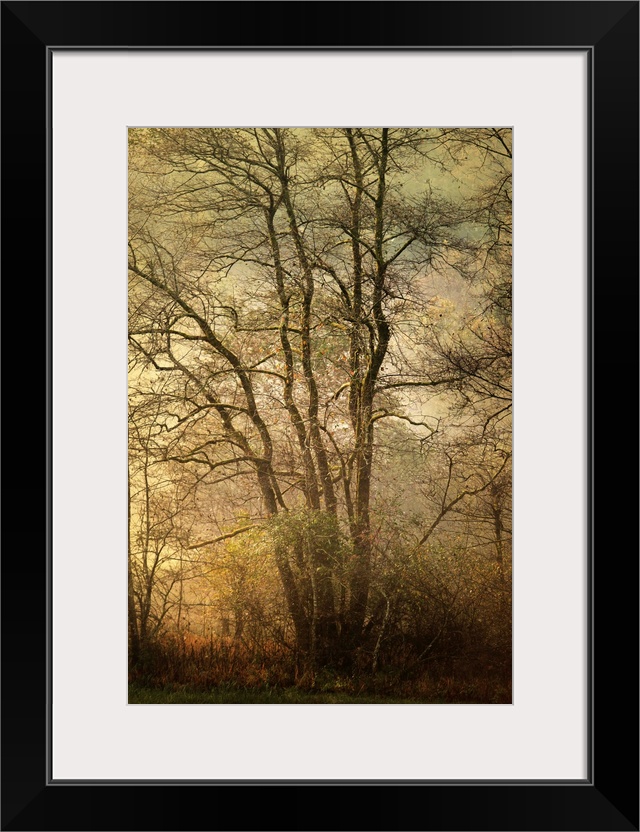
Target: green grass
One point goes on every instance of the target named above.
(257, 696)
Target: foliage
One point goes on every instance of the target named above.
(320, 407)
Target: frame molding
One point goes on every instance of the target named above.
(608, 799)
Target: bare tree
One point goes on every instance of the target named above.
(283, 320)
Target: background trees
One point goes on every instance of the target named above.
(320, 368)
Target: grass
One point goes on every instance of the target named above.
(227, 695)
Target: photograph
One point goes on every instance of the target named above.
(320, 415)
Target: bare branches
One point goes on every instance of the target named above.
(222, 537)
(449, 505)
(319, 329)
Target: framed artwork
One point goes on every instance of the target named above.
(340, 255)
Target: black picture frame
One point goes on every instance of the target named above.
(608, 798)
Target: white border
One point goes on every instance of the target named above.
(95, 733)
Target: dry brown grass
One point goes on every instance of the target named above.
(191, 662)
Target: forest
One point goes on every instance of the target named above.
(320, 415)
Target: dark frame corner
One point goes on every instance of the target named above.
(608, 800)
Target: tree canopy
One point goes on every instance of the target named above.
(320, 389)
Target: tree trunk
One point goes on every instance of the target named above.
(134, 635)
